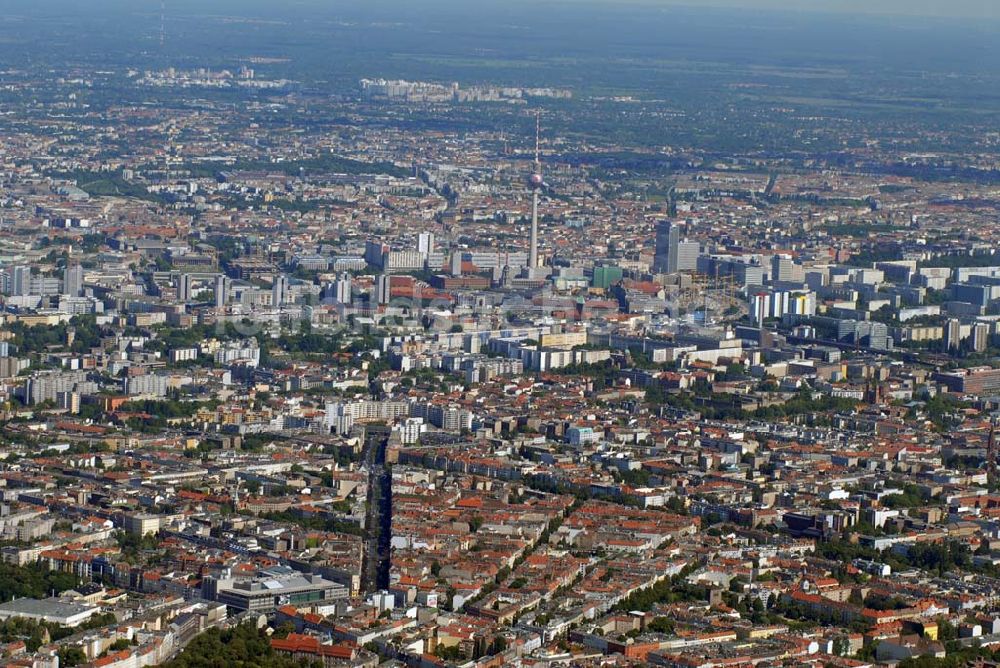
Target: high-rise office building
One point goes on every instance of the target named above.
(606, 276)
(73, 281)
(425, 243)
(184, 287)
(222, 285)
(980, 337)
(340, 290)
(687, 255)
(760, 307)
(784, 269)
(279, 290)
(20, 281)
(383, 289)
(668, 237)
(953, 335)
(375, 252)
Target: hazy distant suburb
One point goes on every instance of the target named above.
(939, 8)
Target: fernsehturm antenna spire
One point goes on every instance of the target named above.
(535, 182)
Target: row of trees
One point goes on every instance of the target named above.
(935, 557)
(35, 634)
(39, 338)
(803, 403)
(33, 581)
(316, 523)
(242, 646)
(675, 589)
(167, 408)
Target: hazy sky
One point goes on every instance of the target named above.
(975, 9)
(966, 8)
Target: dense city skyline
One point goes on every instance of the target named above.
(441, 334)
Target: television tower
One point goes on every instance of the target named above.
(163, 22)
(535, 183)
